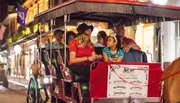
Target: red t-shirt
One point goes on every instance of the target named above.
(128, 41)
(81, 52)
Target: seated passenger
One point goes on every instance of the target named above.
(70, 35)
(81, 55)
(126, 43)
(101, 37)
(58, 43)
(113, 52)
(82, 52)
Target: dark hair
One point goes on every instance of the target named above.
(118, 45)
(58, 32)
(68, 34)
(103, 35)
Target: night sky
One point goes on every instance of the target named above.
(13, 2)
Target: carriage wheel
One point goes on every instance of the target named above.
(32, 94)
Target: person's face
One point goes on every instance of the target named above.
(100, 39)
(120, 30)
(70, 39)
(88, 31)
(111, 42)
(86, 37)
(59, 38)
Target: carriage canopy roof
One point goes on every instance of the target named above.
(110, 11)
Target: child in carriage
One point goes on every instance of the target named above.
(113, 52)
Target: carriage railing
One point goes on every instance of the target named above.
(65, 70)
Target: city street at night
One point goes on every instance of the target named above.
(89, 51)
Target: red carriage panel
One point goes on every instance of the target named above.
(98, 79)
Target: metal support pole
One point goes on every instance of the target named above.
(66, 19)
(52, 23)
(40, 42)
(18, 59)
(162, 44)
(178, 34)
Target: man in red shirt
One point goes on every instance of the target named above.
(126, 43)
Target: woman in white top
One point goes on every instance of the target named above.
(101, 37)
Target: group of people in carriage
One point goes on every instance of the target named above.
(114, 47)
(115, 44)
(82, 50)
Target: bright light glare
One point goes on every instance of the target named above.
(17, 49)
(94, 32)
(141, 24)
(160, 2)
(51, 80)
(46, 80)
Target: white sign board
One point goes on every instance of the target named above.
(127, 80)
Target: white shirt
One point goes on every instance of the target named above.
(98, 45)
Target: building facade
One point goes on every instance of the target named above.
(26, 38)
(20, 63)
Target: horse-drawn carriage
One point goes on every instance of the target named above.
(132, 81)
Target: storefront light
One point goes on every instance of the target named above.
(9, 40)
(160, 2)
(17, 49)
(35, 28)
(46, 28)
(23, 32)
(27, 31)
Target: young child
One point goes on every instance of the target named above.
(113, 52)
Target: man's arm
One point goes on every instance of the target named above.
(135, 46)
(130, 44)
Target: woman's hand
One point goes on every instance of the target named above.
(91, 58)
(98, 57)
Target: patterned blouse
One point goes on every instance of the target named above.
(113, 56)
